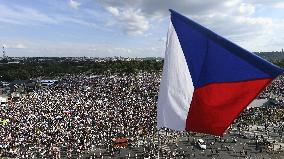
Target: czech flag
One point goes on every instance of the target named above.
(207, 80)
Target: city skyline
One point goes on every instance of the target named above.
(96, 28)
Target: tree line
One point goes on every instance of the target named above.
(28, 69)
(50, 68)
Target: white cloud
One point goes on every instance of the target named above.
(15, 46)
(114, 11)
(246, 9)
(20, 15)
(23, 16)
(234, 19)
(61, 49)
(63, 19)
(252, 33)
(132, 21)
(264, 2)
(232, 3)
(74, 4)
(279, 5)
(135, 23)
(136, 17)
(20, 46)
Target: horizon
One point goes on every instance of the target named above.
(157, 57)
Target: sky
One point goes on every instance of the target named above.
(131, 28)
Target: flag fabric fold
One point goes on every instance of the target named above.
(207, 80)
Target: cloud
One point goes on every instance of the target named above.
(64, 19)
(246, 9)
(279, 5)
(15, 46)
(22, 16)
(133, 15)
(62, 49)
(132, 21)
(20, 46)
(234, 19)
(74, 4)
(114, 11)
(264, 2)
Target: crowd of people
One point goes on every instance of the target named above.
(79, 114)
(275, 91)
(86, 112)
